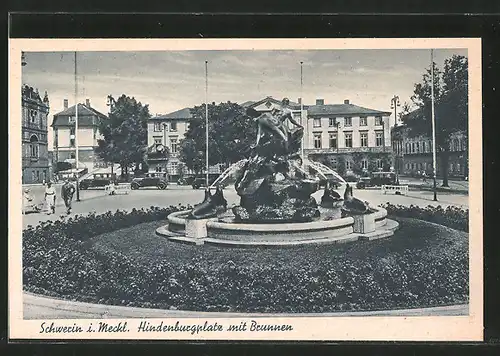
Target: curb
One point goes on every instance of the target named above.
(53, 308)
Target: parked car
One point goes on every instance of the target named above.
(185, 181)
(159, 180)
(98, 180)
(377, 179)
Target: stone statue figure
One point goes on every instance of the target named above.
(276, 123)
(269, 184)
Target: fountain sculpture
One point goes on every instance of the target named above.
(276, 207)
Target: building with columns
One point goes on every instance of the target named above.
(35, 155)
(63, 126)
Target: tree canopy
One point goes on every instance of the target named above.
(230, 131)
(450, 106)
(124, 133)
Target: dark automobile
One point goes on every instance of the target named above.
(159, 180)
(377, 179)
(185, 181)
(98, 180)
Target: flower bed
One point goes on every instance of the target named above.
(127, 264)
(452, 216)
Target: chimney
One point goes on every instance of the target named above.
(346, 101)
(299, 100)
(320, 101)
(65, 104)
(87, 103)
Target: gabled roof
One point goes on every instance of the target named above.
(86, 116)
(342, 109)
(247, 103)
(179, 114)
(270, 99)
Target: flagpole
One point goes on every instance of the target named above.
(206, 120)
(76, 133)
(301, 112)
(433, 119)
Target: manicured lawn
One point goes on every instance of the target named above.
(116, 258)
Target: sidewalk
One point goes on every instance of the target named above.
(455, 186)
(40, 307)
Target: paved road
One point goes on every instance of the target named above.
(97, 201)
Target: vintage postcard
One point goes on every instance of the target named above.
(245, 189)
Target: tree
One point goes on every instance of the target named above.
(450, 103)
(231, 133)
(124, 134)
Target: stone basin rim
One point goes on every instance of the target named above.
(176, 218)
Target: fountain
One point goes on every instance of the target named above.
(276, 207)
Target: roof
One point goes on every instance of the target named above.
(342, 109)
(86, 116)
(179, 114)
(247, 103)
(272, 100)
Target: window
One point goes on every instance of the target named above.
(333, 122)
(364, 139)
(173, 145)
(158, 140)
(407, 148)
(417, 145)
(56, 138)
(158, 168)
(33, 176)
(378, 121)
(379, 139)
(32, 116)
(34, 146)
(407, 166)
(363, 121)
(174, 167)
(317, 123)
(95, 133)
(423, 147)
(413, 166)
(364, 164)
(348, 121)
(173, 126)
(348, 140)
(157, 126)
(413, 147)
(348, 164)
(317, 140)
(333, 140)
(379, 164)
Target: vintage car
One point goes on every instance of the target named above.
(377, 179)
(157, 179)
(98, 180)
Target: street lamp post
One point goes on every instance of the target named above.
(165, 125)
(433, 119)
(76, 134)
(394, 105)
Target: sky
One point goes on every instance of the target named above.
(171, 80)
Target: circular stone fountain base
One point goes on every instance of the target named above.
(223, 231)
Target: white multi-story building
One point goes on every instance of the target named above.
(63, 126)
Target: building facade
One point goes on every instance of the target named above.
(346, 137)
(35, 159)
(63, 126)
(350, 139)
(164, 135)
(413, 154)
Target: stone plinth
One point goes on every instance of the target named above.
(364, 224)
(196, 228)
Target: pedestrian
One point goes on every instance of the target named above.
(424, 177)
(50, 198)
(67, 192)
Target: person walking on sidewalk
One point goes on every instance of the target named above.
(50, 198)
(67, 192)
